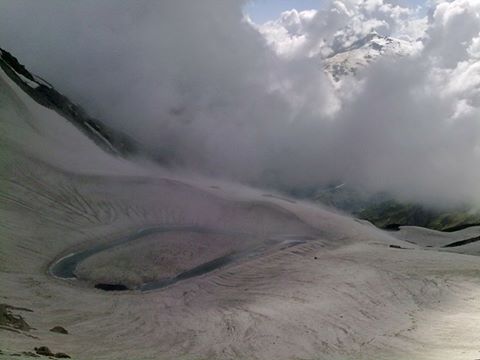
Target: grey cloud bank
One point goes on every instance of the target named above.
(196, 80)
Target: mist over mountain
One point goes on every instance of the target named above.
(163, 166)
(200, 84)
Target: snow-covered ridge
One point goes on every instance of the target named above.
(39, 90)
(347, 61)
(19, 70)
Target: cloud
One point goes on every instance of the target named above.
(453, 25)
(287, 34)
(324, 32)
(199, 82)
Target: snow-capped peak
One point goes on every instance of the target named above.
(346, 61)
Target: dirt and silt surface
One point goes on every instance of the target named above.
(303, 282)
(156, 257)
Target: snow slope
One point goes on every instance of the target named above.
(343, 294)
(348, 61)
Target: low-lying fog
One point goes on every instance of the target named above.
(203, 85)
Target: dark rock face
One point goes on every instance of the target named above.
(392, 227)
(111, 287)
(59, 329)
(463, 242)
(61, 355)
(13, 62)
(397, 247)
(44, 350)
(109, 139)
(13, 321)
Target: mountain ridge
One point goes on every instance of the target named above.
(347, 61)
(109, 139)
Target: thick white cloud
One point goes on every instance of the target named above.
(452, 27)
(198, 81)
(417, 118)
(287, 34)
(341, 24)
(474, 48)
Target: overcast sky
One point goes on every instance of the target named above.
(251, 102)
(265, 10)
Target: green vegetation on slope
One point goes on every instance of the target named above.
(391, 214)
(385, 212)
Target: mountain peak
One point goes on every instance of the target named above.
(367, 40)
(348, 60)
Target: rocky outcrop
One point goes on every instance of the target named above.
(110, 140)
(8, 320)
(59, 330)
